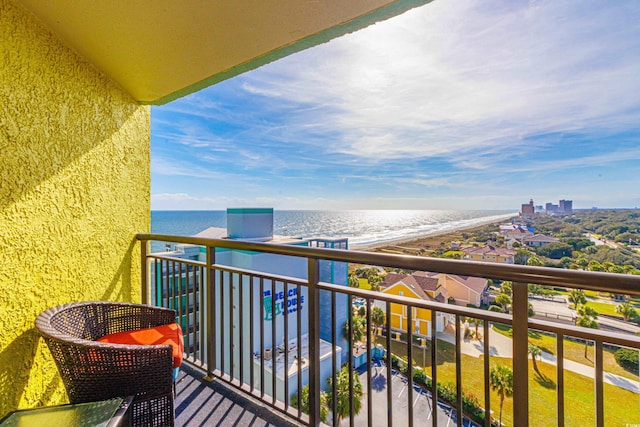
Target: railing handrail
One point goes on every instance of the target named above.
(355, 292)
(518, 320)
(596, 281)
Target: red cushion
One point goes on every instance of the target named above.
(165, 334)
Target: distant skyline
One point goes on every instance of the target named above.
(453, 105)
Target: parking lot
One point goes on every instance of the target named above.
(420, 400)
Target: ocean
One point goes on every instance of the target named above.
(364, 228)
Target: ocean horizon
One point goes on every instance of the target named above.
(363, 228)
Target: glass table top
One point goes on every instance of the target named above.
(92, 414)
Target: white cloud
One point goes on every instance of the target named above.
(169, 167)
(457, 103)
(187, 201)
(613, 157)
(462, 76)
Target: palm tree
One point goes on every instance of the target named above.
(377, 317)
(374, 281)
(501, 380)
(475, 323)
(354, 282)
(587, 318)
(507, 287)
(304, 399)
(577, 297)
(626, 310)
(343, 398)
(504, 300)
(359, 325)
(535, 351)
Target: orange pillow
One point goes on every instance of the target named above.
(165, 334)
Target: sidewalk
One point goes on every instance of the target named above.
(502, 346)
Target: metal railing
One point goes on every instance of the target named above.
(261, 332)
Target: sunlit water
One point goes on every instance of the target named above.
(362, 228)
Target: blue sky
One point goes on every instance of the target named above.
(454, 105)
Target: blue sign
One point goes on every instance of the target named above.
(289, 303)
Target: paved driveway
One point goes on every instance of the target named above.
(420, 400)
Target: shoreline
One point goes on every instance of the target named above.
(429, 239)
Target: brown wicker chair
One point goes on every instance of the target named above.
(94, 371)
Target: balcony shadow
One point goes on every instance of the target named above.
(40, 162)
(202, 403)
(48, 130)
(120, 288)
(16, 361)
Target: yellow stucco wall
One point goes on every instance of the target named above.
(74, 190)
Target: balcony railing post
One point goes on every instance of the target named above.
(520, 309)
(599, 383)
(144, 272)
(314, 342)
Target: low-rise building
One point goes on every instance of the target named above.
(417, 285)
(465, 290)
(516, 233)
(538, 240)
(489, 253)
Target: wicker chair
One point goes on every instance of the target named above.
(94, 371)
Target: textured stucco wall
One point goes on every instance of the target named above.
(74, 190)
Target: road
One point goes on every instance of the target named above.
(601, 242)
(557, 309)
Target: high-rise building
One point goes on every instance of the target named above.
(528, 210)
(565, 206)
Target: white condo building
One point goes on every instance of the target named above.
(256, 225)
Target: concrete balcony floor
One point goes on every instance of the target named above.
(203, 403)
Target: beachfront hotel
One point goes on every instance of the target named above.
(76, 86)
(175, 284)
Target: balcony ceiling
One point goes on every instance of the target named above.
(163, 49)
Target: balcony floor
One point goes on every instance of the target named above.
(203, 403)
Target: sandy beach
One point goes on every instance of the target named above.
(430, 240)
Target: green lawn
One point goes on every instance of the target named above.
(621, 406)
(572, 351)
(602, 307)
(610, 309)
(587, 293)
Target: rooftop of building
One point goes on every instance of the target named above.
(221, 233)
(419, 282)
(488, 250)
